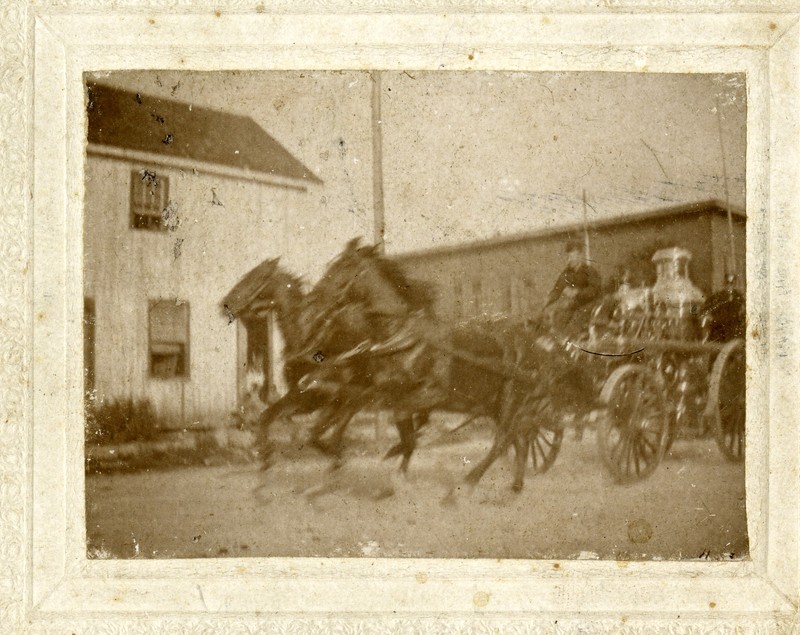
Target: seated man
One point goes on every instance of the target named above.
(570, 302)
(726, 312)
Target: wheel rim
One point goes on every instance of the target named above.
(633, 439)
(544, 446)
(544, 440)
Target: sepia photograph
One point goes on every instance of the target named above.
(415, 314)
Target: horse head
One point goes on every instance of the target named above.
(239, 301)
(266, 288)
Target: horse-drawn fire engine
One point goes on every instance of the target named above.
(654, 363)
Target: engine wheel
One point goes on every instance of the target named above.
(726, 400)
(634, 432)
(534, 419)
(544, 446)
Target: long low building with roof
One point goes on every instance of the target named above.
(513, 275)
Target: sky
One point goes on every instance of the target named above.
(472, 155)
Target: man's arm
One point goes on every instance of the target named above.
(558, 289)
(591, 290)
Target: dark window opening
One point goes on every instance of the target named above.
(169, 339)
(255, 360)
(149, 198)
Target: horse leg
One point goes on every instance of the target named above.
(322, 425)
(408, 426)
(505, 434)
(408, 439)
(401, 424)
(416, 423)
(422, 419)
(499, 446)
(284, 406)
(345, 414)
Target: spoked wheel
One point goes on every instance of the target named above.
(726, 400)
(534, 419)
(634, 433)
(544, 446)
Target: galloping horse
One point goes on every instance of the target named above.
(416, 365)
(364, 337)
(323, 333)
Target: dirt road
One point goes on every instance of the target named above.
(693, 506)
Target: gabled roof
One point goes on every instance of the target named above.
(576, 230)
(134, 121)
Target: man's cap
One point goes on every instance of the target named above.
(573, 245)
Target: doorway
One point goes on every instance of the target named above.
(255, 367)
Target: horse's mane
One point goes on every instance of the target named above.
(417, 294)
(297, 282)
(414, 293)
(331, 271)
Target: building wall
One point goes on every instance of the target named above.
(212, 247)
(614, 246)
(516, 276)
(720, 236)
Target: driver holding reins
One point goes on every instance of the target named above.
(570, 302)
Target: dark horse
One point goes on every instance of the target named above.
(325, 333)
(378, 318)
(413, 364)
(365, 338)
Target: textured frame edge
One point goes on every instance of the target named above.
(781, 574)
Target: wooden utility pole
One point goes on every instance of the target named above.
(587, 253)
(377, 162)
(732, 270)
(379, 227)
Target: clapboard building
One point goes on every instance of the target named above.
(513, 275)
(180, 201)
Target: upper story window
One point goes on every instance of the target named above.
(149, 198)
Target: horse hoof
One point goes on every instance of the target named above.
(266, 461)
(471, 480)
(383, 493)
(516, 488)
(449, 499)
(322, 447)
(393, 451)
